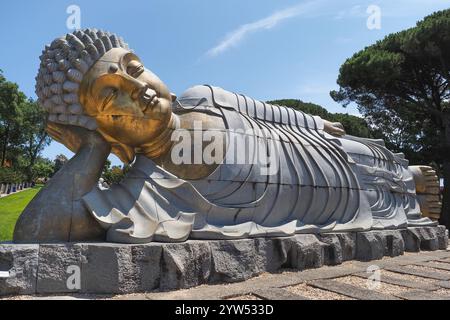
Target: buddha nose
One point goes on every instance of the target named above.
(136, 87)
(138, 92)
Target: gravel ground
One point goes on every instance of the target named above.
(443, 264)
(56, 297)
(245, 298)
(407, 277)
(443, 292)
(14, 298)
(428, 269)
(381, 288)
(315, 294)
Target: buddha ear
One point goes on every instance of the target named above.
(174, 96)
(125, 153)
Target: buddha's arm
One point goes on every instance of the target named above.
(57, 214)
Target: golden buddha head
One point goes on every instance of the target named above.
(91, 79)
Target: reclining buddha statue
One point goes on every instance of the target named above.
(210, 164)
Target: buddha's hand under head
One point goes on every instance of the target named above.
(75, 137)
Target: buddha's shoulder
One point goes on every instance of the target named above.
(209, 95)
(217, 97)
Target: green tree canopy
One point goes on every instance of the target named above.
(33, 133)
(114, 174)
(42, 169)
(401, 85)
(11, 100)
(22, 129)
(60, 161)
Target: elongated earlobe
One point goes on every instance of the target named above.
(174, 96)
(125, 153)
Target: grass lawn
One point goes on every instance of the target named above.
(10, 209)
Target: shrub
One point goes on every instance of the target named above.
(8, 175)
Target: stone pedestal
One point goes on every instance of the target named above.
(104, 268)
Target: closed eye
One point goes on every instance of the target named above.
(135, 69)
(111, 95)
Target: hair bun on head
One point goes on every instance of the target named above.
(63, 64)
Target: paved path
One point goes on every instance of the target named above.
(413, 276)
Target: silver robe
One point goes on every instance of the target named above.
(321, 183)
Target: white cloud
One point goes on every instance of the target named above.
(354, 12)
(236, 36)
(389, 8)
(394, 9)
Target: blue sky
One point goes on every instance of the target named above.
(266, 49)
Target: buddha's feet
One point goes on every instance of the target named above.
(428, 191)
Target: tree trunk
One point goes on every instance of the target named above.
(33, 152)
(29, 169)
(5, 143)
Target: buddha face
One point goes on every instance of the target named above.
(130, 104)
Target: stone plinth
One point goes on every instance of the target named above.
(105, 268)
